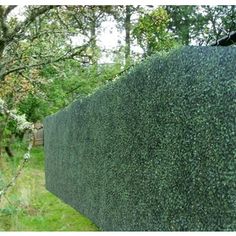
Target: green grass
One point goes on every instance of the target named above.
(29, 206)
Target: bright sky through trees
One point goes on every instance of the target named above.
(109, 38)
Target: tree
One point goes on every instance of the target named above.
(219, 21)
(127, 24)
(76, 82)
(42, 37)
(90, 18)
(151, 31)
(183, 20)
(201, 25)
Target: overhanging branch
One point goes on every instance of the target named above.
(21, 27)
(227, 40)
(9, 9)
(68, 55)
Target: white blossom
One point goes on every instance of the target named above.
(27, 156)
(22, 124)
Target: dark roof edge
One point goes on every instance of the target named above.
(226, 40)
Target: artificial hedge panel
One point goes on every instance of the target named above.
(154, 150)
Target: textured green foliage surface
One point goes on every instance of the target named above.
(155, 150)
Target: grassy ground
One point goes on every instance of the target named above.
(29, 206)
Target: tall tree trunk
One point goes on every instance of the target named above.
(186, 32)
(1, 141)
(127, 34)
(233, 15)
(2, 46)
(6, 140)
(93, 37)
(8, 148)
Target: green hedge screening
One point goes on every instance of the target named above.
(154, 150)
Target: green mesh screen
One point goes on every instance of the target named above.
(154, 150)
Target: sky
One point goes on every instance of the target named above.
(111, 37)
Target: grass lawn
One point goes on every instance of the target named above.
(29, 206)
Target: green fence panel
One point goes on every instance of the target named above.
(153, 150)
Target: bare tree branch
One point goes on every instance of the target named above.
(6, 37)
(68, 55)
(21, 27)
(61, 21)
(14, 60)
(9, 9)
(3, 18)
(3, 24)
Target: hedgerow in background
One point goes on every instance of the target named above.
(155, 150)
(62, 84)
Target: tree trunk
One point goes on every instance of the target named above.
(9, 151)
(93, 36)
(6, 141)
(127, 34)
(2, 125)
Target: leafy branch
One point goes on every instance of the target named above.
(68, 55)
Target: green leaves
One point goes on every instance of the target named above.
(151, 31)
(200, 25)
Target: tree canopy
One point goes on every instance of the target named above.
(51, 55)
